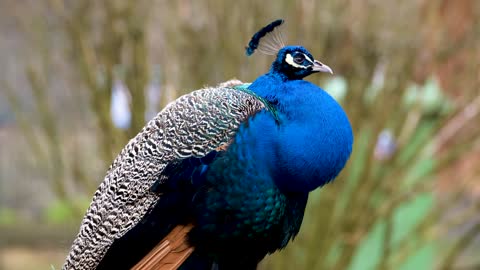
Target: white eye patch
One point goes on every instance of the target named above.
(289, 60)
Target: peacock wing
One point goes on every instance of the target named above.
(191, 126)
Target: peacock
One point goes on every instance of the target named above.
(230, 166)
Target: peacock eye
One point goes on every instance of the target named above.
(299, 58)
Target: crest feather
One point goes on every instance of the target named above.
(268, 40)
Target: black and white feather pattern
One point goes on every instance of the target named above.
(193, 125)
(268, 40)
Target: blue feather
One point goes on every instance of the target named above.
(315, 140)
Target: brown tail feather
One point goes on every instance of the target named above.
(170, 253)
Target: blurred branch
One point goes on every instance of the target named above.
(47, 121)
(410, 124)
(430, 226)
(456, 124)
(139, 70)
(24, 123)
(99, 94)
(387, 242)
(462, 243)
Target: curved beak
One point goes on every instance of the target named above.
(320, 67)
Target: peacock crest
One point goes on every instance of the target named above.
(268, 40)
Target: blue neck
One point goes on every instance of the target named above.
(314, 140)
(268, 84)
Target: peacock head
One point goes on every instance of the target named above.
(295, 62)
(292, 62)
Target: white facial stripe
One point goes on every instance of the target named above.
(308, 59)
(289, 60)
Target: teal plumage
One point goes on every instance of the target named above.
(238, 164)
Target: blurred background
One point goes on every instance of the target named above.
(79, 78)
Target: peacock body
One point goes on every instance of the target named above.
(235, 162)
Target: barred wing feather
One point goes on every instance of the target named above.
(191, 126)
